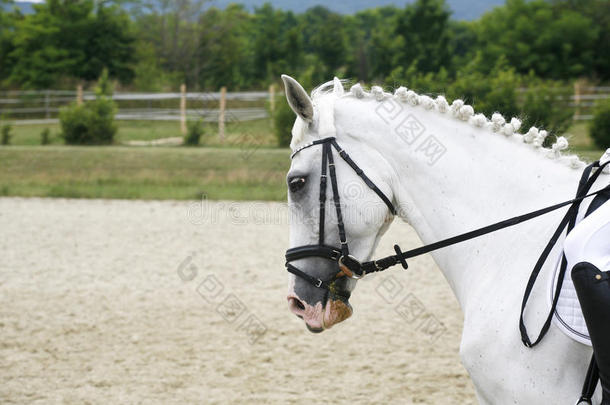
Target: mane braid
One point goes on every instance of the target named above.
(534, 138)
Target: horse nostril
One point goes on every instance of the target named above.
(296, 305)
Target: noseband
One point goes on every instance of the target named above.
(348, 265)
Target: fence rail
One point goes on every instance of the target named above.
(43, 106)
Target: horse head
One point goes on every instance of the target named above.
(335, 215)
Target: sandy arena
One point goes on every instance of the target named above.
(177, 302)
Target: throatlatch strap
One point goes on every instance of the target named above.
(363, 176)
(569, 220)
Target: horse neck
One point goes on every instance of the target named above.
(481, 177)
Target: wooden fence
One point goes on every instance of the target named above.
(584, 98)
(43, 106)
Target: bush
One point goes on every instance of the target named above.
(194, 134)
(491, 92)
(6, 134)
(599, 128)
(283, 120)
(544, 106)
(91, 123)
(45, 136)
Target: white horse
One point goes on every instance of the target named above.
(448, 171)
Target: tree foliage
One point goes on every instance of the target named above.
(535, 36)
(63, 39)
(162, 43)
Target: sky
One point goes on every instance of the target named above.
(462, 9)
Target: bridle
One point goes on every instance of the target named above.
(350, 267)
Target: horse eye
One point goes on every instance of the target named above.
(296, 183)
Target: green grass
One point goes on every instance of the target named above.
(578, 135)
(256, 133)
(30, 134)
(581, 143)
(246, 167)
(144, 173)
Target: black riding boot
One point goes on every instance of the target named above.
(593, 290)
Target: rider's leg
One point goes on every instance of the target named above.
(587, 249)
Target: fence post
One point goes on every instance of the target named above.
(47, 113)
(272, 104)
(79, 94)
(272, 98)
(221, 113)
(183, 109)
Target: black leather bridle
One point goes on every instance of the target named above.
(350, 267)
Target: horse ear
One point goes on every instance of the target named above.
(338, 89)
(298, 99)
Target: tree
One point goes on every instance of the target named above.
(171, 28)
(62, 39)
(371, 42)
(324, 36)
(536, 37)
(598, 11)
(7, 24)
(114, 49)
(423, 32)
(277, 45)
(224, 54)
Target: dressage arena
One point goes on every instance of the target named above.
(182, 302)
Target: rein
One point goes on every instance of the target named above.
(350, 267)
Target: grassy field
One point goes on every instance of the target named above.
(246, 167)
(144, 173)
(256, 133)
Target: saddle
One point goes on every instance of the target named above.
(568, 313)
(594, 297)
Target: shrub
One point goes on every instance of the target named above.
(91, 123)
(6, 134)
(599, 129)
(45, 136)
(283, 120)
(194, 133)
(545, 106)
(424, 83)
(495, 91)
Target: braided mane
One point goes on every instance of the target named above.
(497, 124)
